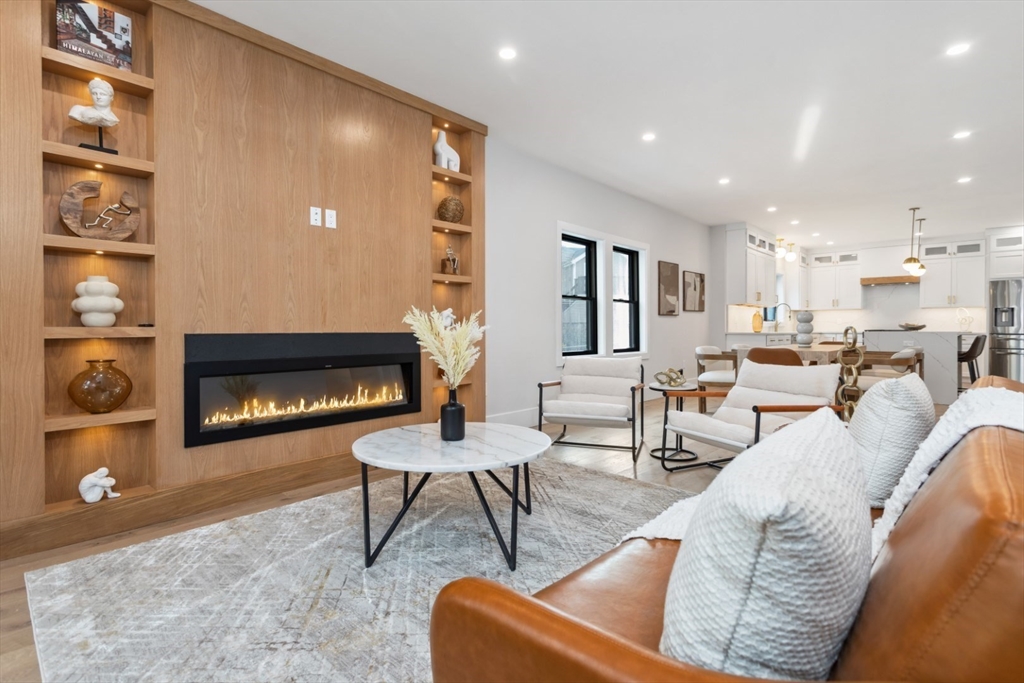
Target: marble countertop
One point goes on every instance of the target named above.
(419, 448)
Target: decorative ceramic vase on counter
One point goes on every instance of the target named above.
(757, 322)
(804, 329)
(453, 419)
(100, 388)
(97, 301)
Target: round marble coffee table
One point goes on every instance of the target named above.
(678, 454)
(419, 448)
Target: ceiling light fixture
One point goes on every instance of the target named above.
(961, 135)
(794, 222)
(958, 49)
(507, 53)
(790, 254)
(772, 209)
(723, 181)
(964, 180)
(647, 137)
(815, 234)
(911, 263)
(830, 243)
(780, 251)
(920, 269)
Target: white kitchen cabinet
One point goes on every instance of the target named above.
(848, 289)
(803, 288)
(1002, 264)
(954, 282)
(823, 288)
(749, 277)
(835, 287)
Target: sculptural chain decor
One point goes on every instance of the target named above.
(848, 392)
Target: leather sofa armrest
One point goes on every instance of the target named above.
(483, 631)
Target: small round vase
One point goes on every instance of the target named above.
(100, 388)
(97, 301)
(804, 328)
(453, 419)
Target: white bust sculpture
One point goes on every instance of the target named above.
(93, 486)
(99, 114)
(444, 155)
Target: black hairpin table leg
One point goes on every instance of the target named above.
(528, 508)
(407, 501)
(508, 551)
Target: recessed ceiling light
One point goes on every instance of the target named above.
(507, 53)
(962, 134)
(647, 137)
(958, 49)
(794, 222)
(830, 243)
(772, 208)
(723, 181)
(964, 180)
(815, 234)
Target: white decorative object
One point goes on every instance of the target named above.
(93, 486)
(964, 319)
(986, 407)
(891, 421)
(447, 318)
(772, 570)
(97, 301)
(99, 114)
(804, 329)
(445, 155)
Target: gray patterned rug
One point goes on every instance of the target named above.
(283, 595)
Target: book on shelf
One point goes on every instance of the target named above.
(97, 33)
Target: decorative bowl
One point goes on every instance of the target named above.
(911, 326)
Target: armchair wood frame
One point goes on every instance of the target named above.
(730, 356)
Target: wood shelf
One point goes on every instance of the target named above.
(98, 332)
(91, 246)
(66, 505)
(452, 279)
(456, 228)
(441, 384)
(82, 69)
(60, 153)
(60, 423)
(451, 177)
(893, 280)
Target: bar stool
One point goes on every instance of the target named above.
(970, 356)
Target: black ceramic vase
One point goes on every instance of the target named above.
(453, 419)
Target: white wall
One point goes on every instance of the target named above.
(526, 197)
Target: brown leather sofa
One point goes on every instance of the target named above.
(945, 602)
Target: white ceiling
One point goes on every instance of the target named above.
(724, 85)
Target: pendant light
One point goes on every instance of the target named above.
(780, 250)
(920, 270)
(911, 263)
(790, 254)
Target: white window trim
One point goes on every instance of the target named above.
(605, 243)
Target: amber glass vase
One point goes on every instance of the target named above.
(100, 388)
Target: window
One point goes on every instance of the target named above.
(579, 296)
(625, 299)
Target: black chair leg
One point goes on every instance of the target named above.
(972, 367)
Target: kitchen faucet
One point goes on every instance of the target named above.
(789, 317)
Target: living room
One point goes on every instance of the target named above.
(244, 250)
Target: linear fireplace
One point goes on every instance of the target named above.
(239, 386)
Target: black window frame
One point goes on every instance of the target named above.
(591, 296)
(633, 300)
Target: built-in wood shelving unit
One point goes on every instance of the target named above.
(98, 332)
(453, 228)
(441, 384)
(60, 423)
(77, 503)
(453, 279)
(60, 153)
(91, 246)
(82, 69)
(451, 177)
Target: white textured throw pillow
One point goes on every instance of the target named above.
(892, 419)
(773, 567)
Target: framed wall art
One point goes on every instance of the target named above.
(668, 288)
(693, 291)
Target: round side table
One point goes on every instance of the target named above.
(678, 454)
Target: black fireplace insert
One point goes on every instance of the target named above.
(239, 386)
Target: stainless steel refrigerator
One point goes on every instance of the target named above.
(1006, 333)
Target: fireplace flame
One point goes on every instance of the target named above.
(255, 410)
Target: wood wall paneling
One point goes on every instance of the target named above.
(65, 358)
(243, 150)
(70, 455)
(22, 478)
(57, 178)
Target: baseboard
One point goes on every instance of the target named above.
(84, 522)
(524, 418)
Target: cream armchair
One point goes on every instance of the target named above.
(596, 392)
(764, 399)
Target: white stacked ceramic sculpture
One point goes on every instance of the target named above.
(804, 328)
(97, 301)
(445, 155)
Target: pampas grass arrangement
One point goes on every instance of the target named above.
(451, 344)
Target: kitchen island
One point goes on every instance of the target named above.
(940, 351)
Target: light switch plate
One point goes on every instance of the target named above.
(314, 215)
(331, 218)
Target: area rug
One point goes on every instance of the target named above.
(283, 595)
